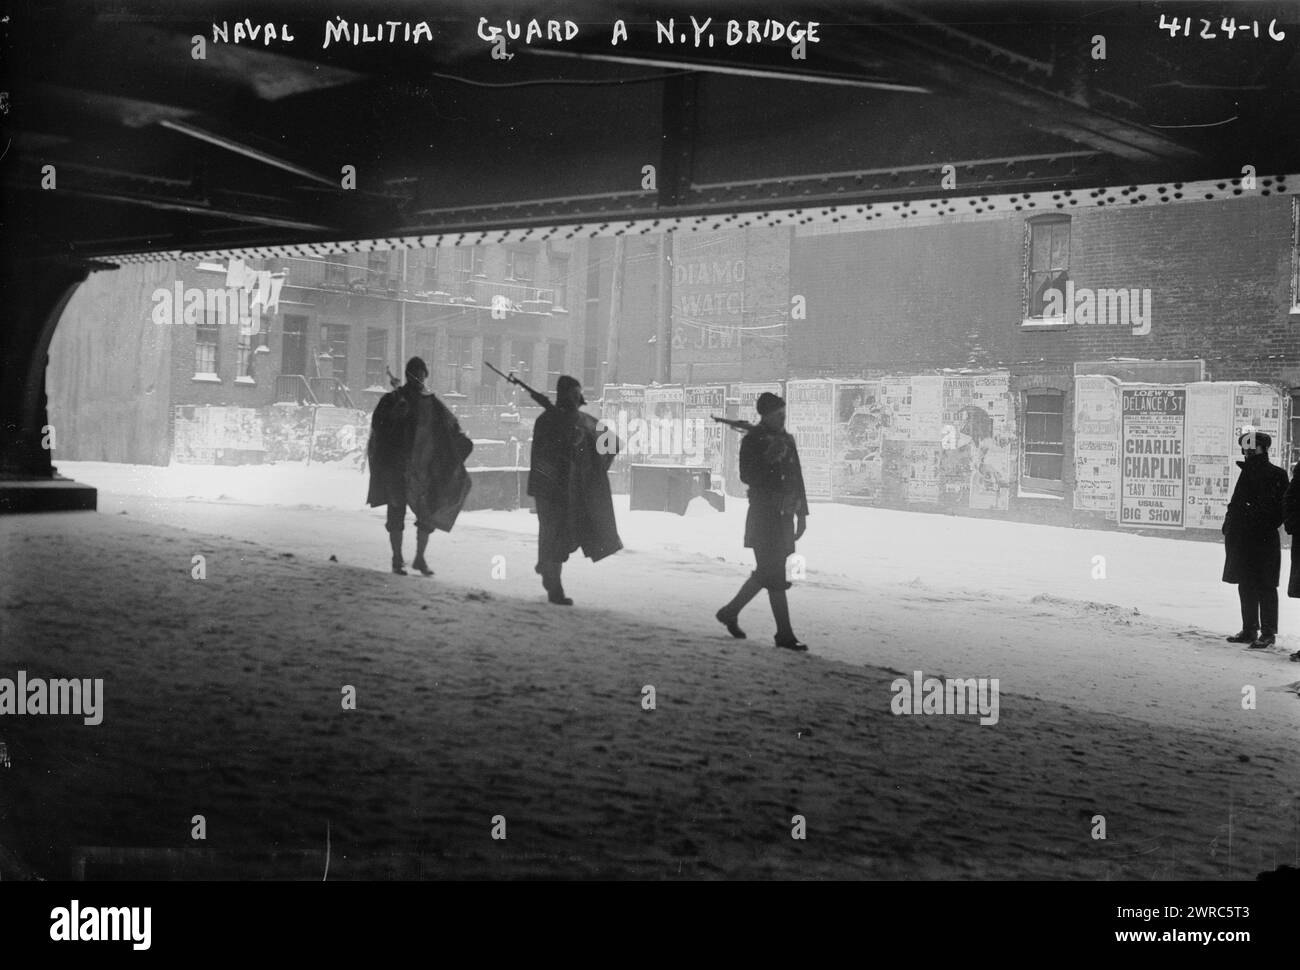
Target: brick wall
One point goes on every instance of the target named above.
(953, 295)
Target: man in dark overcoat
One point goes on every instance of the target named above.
(1252, 547)
(417, 455)
(1291, 522)
(568, 481)
(777, 517)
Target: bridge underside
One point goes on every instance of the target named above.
(123, 144)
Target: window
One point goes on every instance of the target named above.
(207, 335)
(469, 265)
(491, 389)
(1044, 435)
(376, 269)
(1048, 263)
(251, 336)
(460, 362)
(560, 281)
(556, 361)
(469, 260)
(336, 269)
(427, 278)
(334, 340)
(1295, 257)
(521, 360)
(520, 265)
(245, 345)
(492, 350)
(1295, 428)
(376, 358)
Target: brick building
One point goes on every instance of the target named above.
(336, 327)
(920, 293)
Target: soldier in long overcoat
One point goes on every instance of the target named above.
(777, 517)
(569, 484)
(417, 455)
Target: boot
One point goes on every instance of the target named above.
(1245, 636)
(730, 614)
(550, 572)
(395, 540)
(421, 543)
(1264, 642)
(781, 613)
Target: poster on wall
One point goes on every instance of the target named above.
(956, 441)
(810, 416)
(1152, 457)
(990, 424)
(1260, 407)
(857, 462)
(204, 435)
(622, 406)
(703, 440)
(896, 406)
(1096, 444)
(1211, 450)
(664, 407)
(920, 468)
(927, 408)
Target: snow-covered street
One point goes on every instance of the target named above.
(1119, 696)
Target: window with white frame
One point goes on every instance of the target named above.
(1044, 438)
(207, 336)
(1047, 264)
(520, 265)
(245, 347)
(560, 281)
(470, 260)
(376, 358)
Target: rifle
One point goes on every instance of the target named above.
(392, 381)
(735, 424)
(541, 399)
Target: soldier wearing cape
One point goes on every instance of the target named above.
(417, 455)
(568, 481)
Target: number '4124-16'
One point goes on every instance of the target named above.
(1227, 27)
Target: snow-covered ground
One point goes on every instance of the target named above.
(1119, 696)
(1174, 579)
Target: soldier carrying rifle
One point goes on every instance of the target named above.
(778, 510)
(568, 482)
